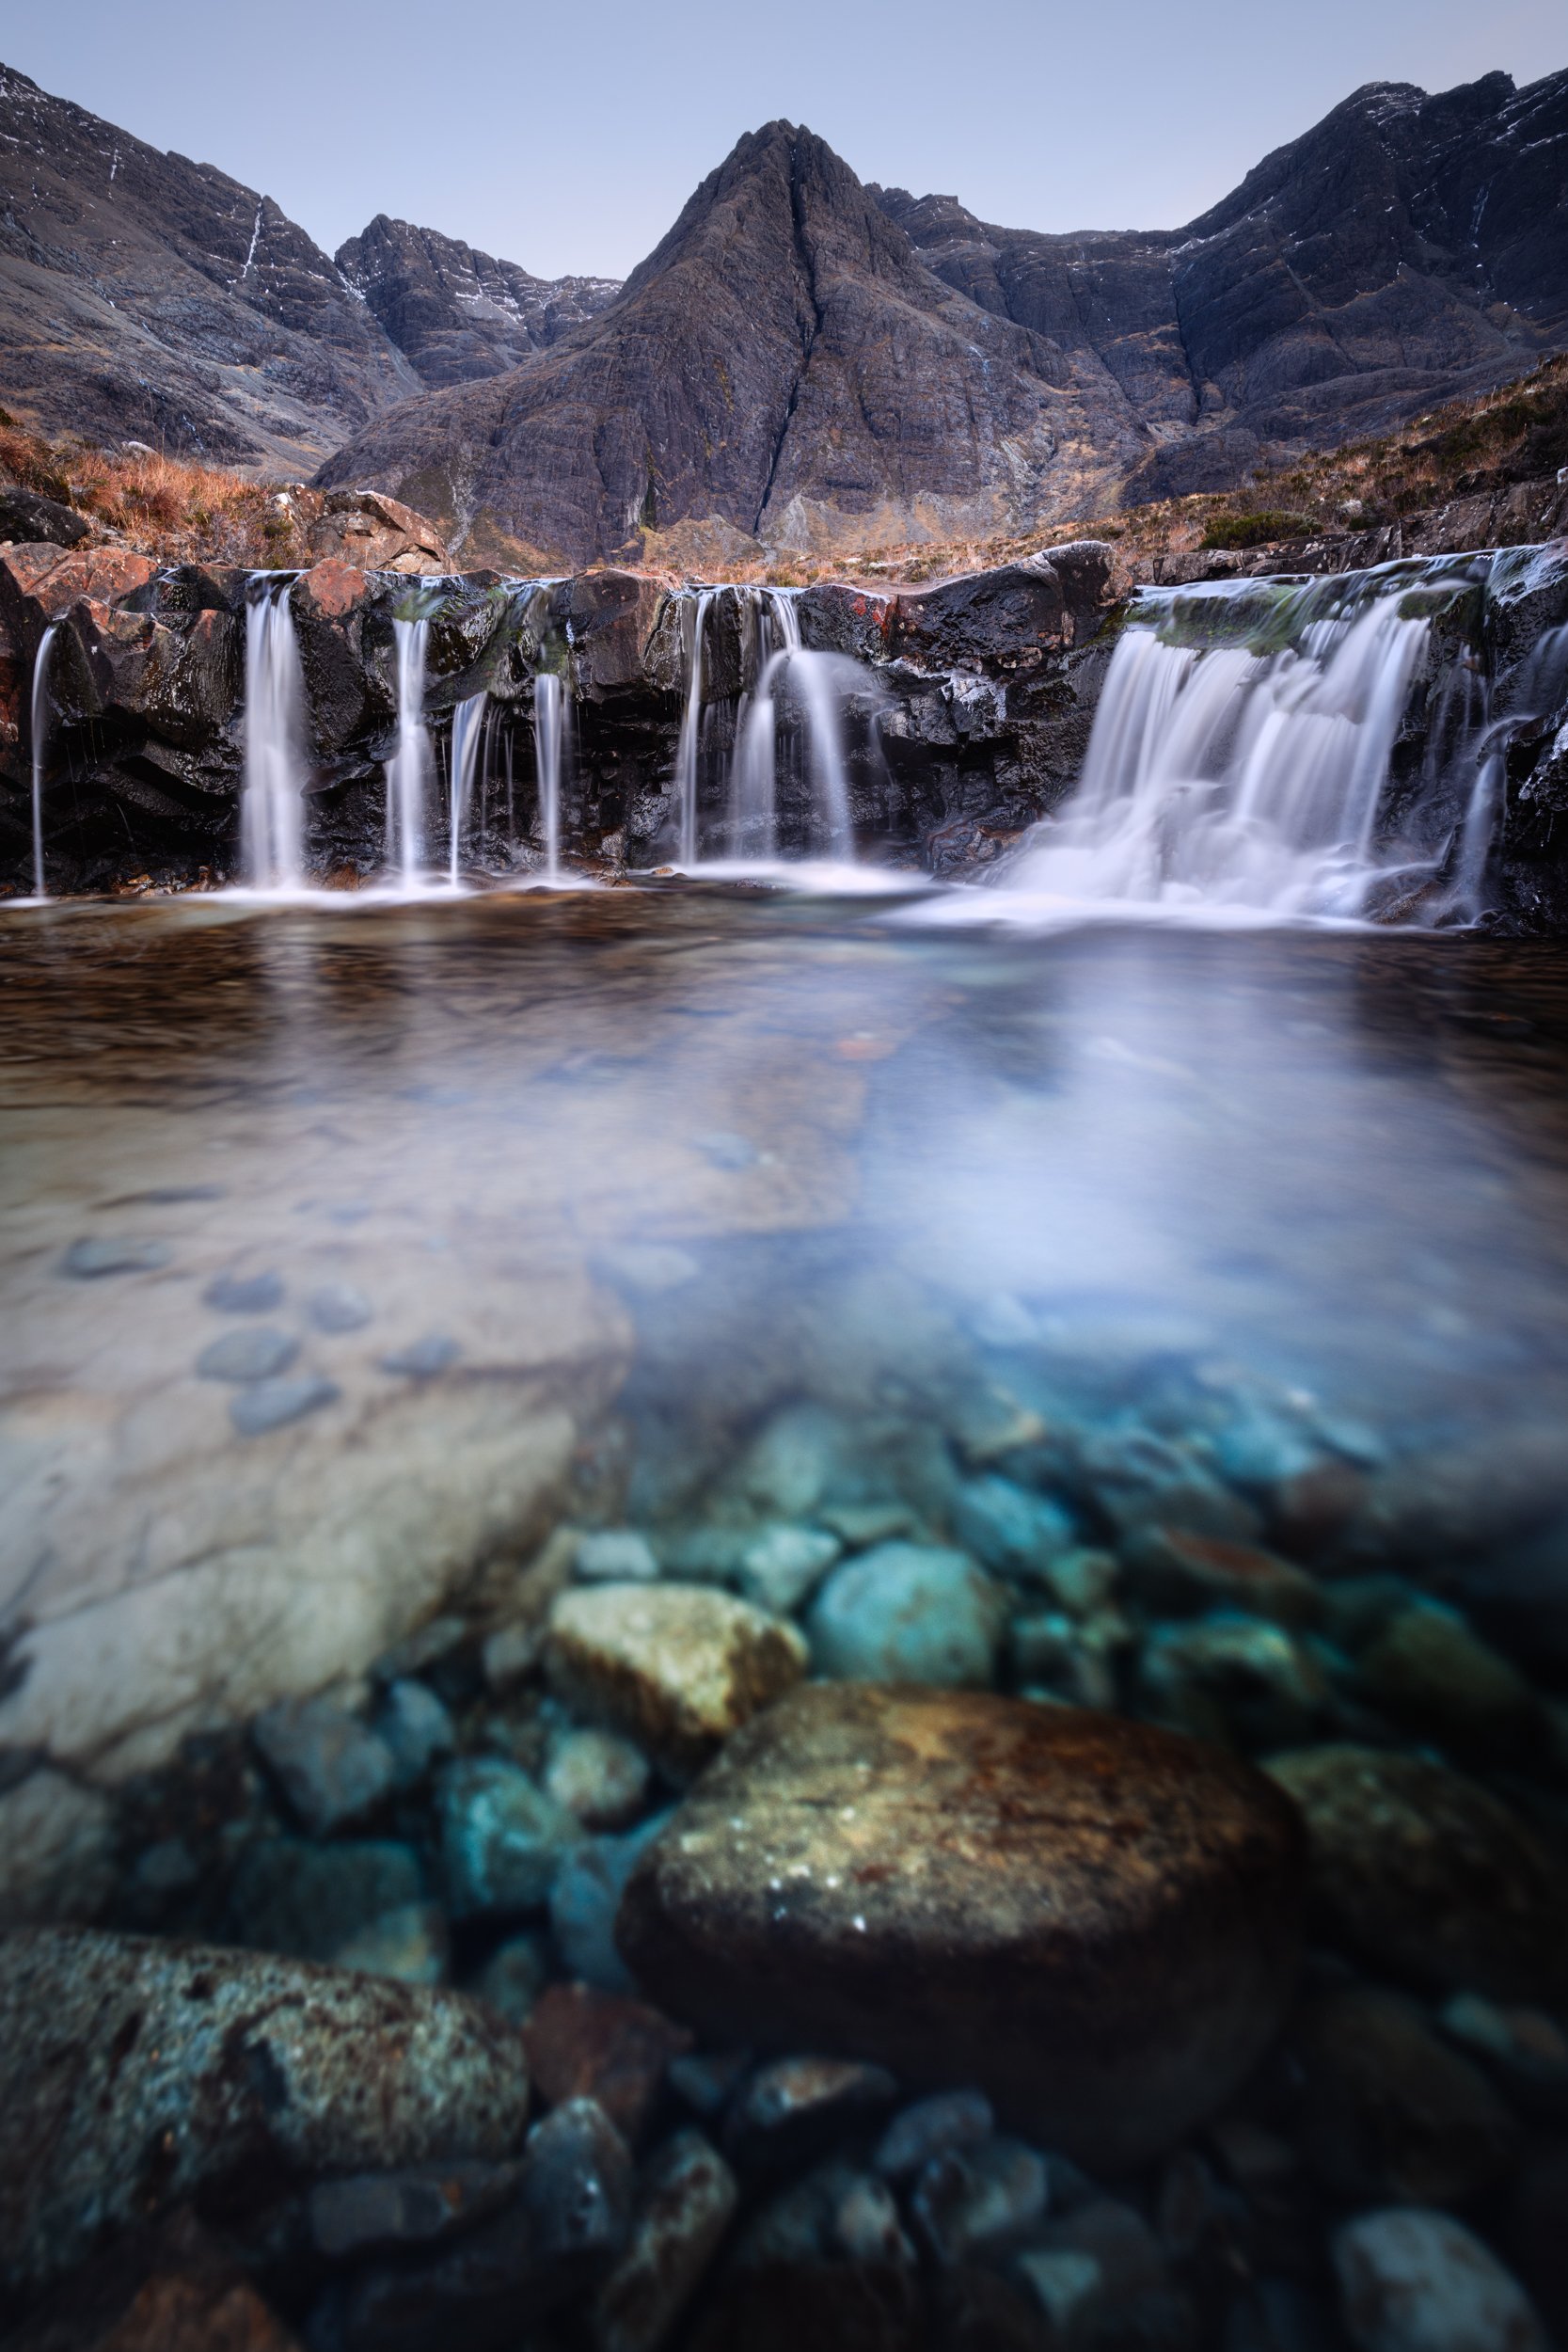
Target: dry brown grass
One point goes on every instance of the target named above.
(164, 506)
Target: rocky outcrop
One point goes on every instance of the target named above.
(1093, 1920)
(456, 314)
(1526, 514)
(808, 363)
(376, 534)
(142, 294)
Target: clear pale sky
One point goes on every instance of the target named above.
(567, 138)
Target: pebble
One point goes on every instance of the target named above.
(331, 1767)
(784, 1567)
(616, 1555)
(1051, 1653)
(685, 2199)
(1413, 2281)
(290, 1895)
(973, 2199)
(1093, 1921)
(1529, 2049)
(933, 2127)
(338, 1307)
(601, 1776)
(1428, 1875)
(273, 1404)
(514, 1975)
(1388, 2113)
(1229, 1677)
(1175, 1573)
(859, 1525)
(583, 2043)
(793, 2108)
(1009, 1529)
(410, 1945)
(136, 2073)
(707, 2080)
(676, 1667)
(1100, 2275)
(1085, 1582)
(244, 1293)
(87, 1260)
(253, 1354)
(424, 1358)
(558, 2239)
(502, 1839)
(786, 1471)
(416, 1728)
(586, 1899)
(909, 1612)
(379, 2213)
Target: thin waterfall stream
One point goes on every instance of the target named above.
(272, 808)
(552, 721)
(38, 723)
(467, 733)
(408, 770)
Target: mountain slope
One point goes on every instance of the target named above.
(457, 315)
(142, 294)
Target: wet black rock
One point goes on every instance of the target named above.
(1093, 1920)
(795, 2108)
(975, 2200)
(134, 2074)
(25, 515)
(948, 2119)
(1428, 1875)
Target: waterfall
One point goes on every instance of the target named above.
(691, 726)
(468, 727)
(271, 811)
(38, 723)
(409, 766)
(753, 779)
(551, 720)
(1240, 752)
(823, 681)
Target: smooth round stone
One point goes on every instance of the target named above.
(1428, 1875)
(266, 1404)
(245, 1356)
(86, 1260)
(424, 1359)
(244, 1293)
(909, 1612)
(338, 1307)
(1414, 2281)
(1093, 1921)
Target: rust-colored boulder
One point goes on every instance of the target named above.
(1094, 1920)
(367, 530)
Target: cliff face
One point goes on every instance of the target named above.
(811, 363)
(457, 315)
(145, 296)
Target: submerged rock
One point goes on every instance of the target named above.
(502, 1839)
(291, 1894)
(584, 2044)
(134, 2074)
(331, 1769)
(1414, 2281)
(1388, 2111)
(677, 1667)
(684, 2200)
(909, 1612)
(1092, 1920)
(1428, 1875)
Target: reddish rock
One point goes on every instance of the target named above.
(584, 2044)
(333, 586)
(377, 534)
(39, 583)
(1095, 1921)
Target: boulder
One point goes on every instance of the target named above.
(26, 517)
(1094, 1921)
(376, 534)
(135, 2075)
(1428, 1875)
(677, 1667)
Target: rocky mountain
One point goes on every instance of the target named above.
(456, 314)
(1406, 250)
(805, 363)
(145, 296)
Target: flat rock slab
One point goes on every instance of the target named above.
(1095, 1921)
(136, 2073)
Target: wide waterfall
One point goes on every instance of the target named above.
(39, 724)
(1245, 755)
(408, 770)
(272, 823)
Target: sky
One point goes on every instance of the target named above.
(567, 138)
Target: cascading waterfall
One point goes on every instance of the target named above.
(467, 733)
(272, 812)
(551, 720)
(754, 781)
(1240, 755)
(38, 723)
(408, 770)
(691, 729)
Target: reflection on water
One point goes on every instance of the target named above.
(346, 1252)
